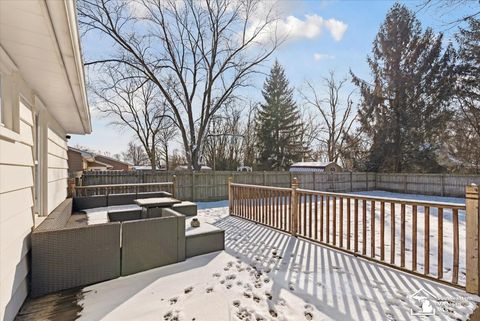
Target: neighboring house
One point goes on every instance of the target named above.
(315, 167)
(244, 169)
(148, 168)
(42, 99)
(187, 168)
(80, 160)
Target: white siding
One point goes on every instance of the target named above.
(57, 169)
(16, 218)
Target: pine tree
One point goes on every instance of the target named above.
(469, 73)
(278, 123)
(404, 109)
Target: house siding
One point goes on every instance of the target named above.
(57, 169)
(16, 215)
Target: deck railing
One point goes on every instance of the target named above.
(266, 205)
(420, 237)
(91, 190)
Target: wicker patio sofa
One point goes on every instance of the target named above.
(69, 256)
(69, 250)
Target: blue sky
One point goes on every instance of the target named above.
(309, 55)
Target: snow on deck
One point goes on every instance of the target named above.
(267, 275)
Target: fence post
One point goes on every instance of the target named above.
(351, 181)
(294, 209)
(472, 248)
(230, 200)
(443, 183)
(174, 187)
(193, 186)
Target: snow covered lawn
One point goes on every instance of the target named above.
(267, 275)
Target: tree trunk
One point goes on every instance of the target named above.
(166, 156)
(195, 160)
(153, 160)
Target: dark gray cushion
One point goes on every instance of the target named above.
(121, 199)
(199, 244)
(120, 216)
(82, 203)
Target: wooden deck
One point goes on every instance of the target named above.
(56, 306)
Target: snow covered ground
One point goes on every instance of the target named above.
(267, 275)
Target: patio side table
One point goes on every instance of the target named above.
(152, 207)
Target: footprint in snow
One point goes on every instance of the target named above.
(308, 316)
(173, 300)
(236, 303)
(243, 314)
(273, 313)
(247, 295)
(216, 275)
(170, 316)
(256, 299)
(188, 290)
(209, 290)
(268, 295)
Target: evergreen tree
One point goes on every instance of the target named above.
(404, 109)
(468, 89)
(278, 123)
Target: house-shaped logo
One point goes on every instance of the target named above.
(424, 300)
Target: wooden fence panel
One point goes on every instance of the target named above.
(213, 185)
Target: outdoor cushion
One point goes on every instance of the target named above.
(81, 203)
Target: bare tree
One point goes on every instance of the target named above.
(166, 135)
(309, 132)
(131, 102)
(249, 141)
(223, 144)
(196, 53)
(135, 154)
(446, 7)
(336, 116)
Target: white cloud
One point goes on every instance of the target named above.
(137, 9)
(337, 28)
(320, 56)
(293, 28)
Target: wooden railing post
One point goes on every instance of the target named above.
(472, 248)
(174, 187)
(294, 208)
(230, 200)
